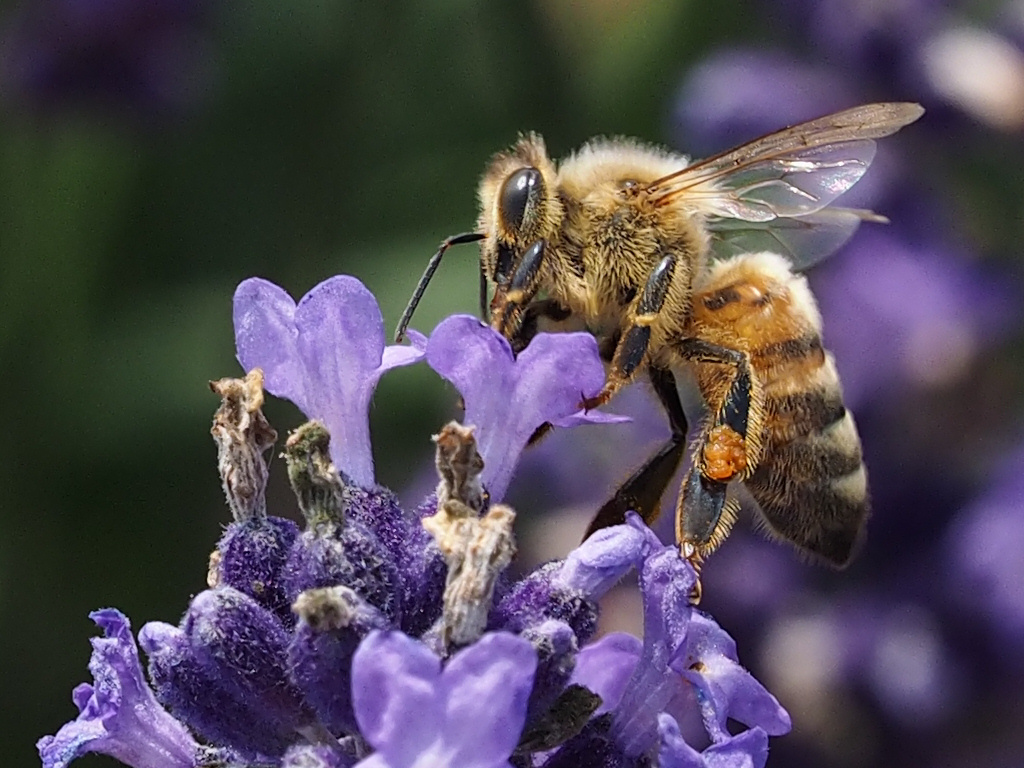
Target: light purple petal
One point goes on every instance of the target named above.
(745, 750)
(726, 690)
(666, 582)
(674, 752)
(416, 716)
(398, 355)
(606, 666)
(507, 399)
(397, 697)
(596, 565)
(582, 417)
(488, 686)
(118, 714)
(326, 355)
(265, 337)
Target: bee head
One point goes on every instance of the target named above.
(518, 206)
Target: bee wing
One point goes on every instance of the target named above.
(790, 173)
(803, 240)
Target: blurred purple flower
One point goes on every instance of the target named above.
(985, 545)
(902, 314)
(326, 355)
(868, 39)
(417, 714)
(735, 95)
(147, 56)
(118, 714)
(507, 398)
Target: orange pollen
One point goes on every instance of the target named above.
(724, 454)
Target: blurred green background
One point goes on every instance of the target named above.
(298, 140)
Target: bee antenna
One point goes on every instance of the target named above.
(428, 273)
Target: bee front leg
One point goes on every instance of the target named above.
(727, 450)
(510, 302)
(632, 346)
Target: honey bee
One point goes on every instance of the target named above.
(674, 265)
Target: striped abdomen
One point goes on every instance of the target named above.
(807, 473)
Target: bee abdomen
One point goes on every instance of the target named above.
(810, 481)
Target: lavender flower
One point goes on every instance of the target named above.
(325, 354)
(385, 660)
(118, 714)
(507, 398)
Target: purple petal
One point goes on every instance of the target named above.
(488, 686)
(118, 714)
(606, 666)
(674, 751)
(326, 355)
(598, 563)
(396, 696)
(582, 417)
(506, 398)
(666, 582)
(727, 690)
(471, 714)
(265, 337)
(746, 750)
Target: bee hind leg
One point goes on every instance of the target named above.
(643, 490)
(727, 450)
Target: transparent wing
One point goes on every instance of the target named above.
(768, 194)
(803, 240)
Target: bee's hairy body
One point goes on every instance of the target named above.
(673, 265)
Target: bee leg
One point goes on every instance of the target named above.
(723, 453)
(542, 309)
(632, 346)
(511, 302)
(643, 490)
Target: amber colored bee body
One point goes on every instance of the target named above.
(673, 265)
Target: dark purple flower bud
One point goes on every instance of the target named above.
(556, 649)
(326, 355)
(334, 549)
(246, 643)
(594, 747)
(231, 653)
(252, 554)
(192, 691)
(535, 599)
(349, 556)
(332, 623)
(470, 713)
(745, 750)
(725, 689)
(507, 398)
(118, 714)
(424, 574)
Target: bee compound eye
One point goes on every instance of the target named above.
(516, 193)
